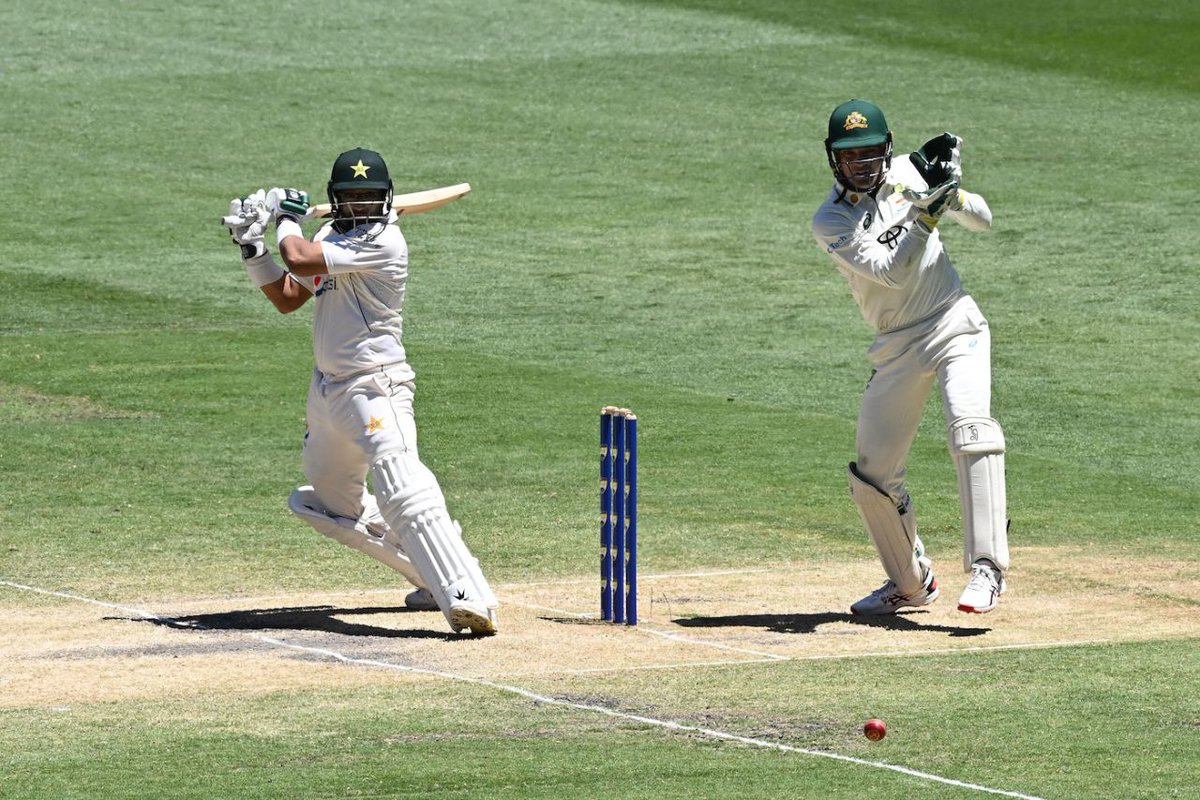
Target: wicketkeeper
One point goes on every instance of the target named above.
(879, 224)
(360, 400)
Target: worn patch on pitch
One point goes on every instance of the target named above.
(803, 612)
(62, 651)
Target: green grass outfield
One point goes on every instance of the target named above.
(644, 174)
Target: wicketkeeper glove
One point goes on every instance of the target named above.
(287, 204)
(247, 223)
(940, 159)
(932, 203)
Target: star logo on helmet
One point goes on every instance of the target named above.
(360, 169)
(856, 120)
(374, 425)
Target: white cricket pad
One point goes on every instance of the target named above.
(977, 445)
(412, 503)
(893, 529)
(371, 537)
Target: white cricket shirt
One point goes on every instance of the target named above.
(357, 323)
(898, 271)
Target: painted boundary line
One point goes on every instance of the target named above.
(540, 699)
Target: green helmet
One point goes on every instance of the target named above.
(360, 169)
(858, 123)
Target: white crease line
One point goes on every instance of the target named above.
(82, 599)
(547, 700)
(658, 723)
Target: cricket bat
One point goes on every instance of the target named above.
(411, 203)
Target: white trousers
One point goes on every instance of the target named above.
(954, 349)
(350, 424)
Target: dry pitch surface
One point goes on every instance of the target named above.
(60, 650)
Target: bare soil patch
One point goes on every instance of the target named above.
(64, 651)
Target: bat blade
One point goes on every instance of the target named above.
(411, 203)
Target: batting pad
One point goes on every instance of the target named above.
(412, 503)
(977, 445)
(375, 540)
(893, 529)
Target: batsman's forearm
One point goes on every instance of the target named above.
(262, 268)
(286, 294)
(303, 257)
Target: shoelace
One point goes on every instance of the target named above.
(981, 578)
(886, 590)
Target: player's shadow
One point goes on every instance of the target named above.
(808, 623)
(320, 619)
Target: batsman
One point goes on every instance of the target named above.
(880, 225)
(360, 398)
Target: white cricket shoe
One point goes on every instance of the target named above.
(420, 600)
(887, 600)
(983, 590)
(479, 619)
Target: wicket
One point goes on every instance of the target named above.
(618, 515)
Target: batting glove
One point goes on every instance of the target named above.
(287, 204)
(247, 223)
(940, 159)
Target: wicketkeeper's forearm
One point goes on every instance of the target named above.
(878, 263)
(974, 215)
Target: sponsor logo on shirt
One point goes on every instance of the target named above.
(845, 237)
(891, 237)
(323, 284)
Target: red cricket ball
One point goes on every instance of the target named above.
(875, 729)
